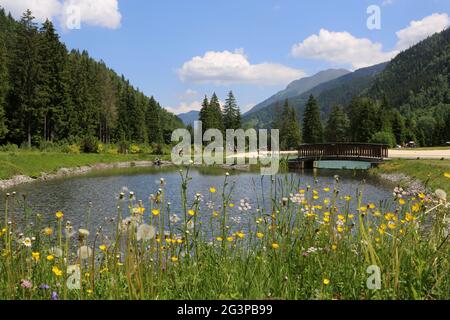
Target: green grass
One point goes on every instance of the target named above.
(429, 172)
(311, 245)
(33, 164)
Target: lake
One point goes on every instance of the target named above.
(98, 191)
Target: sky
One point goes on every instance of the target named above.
(178, 51)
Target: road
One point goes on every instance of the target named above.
(422, 154)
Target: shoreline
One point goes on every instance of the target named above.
(77, 171)
(84, 170)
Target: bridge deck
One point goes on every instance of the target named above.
(343, 151)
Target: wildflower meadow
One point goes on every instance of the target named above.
(301, 242)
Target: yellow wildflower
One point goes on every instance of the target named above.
(191, 213)
(326, 282)
(402, 201)
(48, 231)
(36, 256)
(102, 247)
(415, 207)
(334, 247)
(340, 229)
(156, 212)
(57, 271)
(241, 235)
(326, 189)
(174, 259)
(231, 205)
(230, 239)
(372, 206)
(447, 175)
(275, 246)
(59, 215)
(50, 257)
(220, 239)
(212, 190)
(260, 235)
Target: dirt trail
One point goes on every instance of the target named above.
(422, 154)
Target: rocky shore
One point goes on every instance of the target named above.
(68, 172)
(78, 171)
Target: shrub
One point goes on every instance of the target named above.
(9, 148)
(89, 144)
(135, 149)
(73, 148)
(384, 137)
(100, 148)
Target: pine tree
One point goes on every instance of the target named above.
(312, 125)
(204, 116)
(215, 115)
(53, 92)
(3, 88)
(398, 127)
(231, 113)
(22, 108)
(155, 134)
(290, 135)
(337, 126)
(364, 118)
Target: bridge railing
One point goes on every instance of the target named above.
(344, 150)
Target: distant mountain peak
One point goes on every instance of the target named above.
(300, 86)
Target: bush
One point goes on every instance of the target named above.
(100, 148)
(73, 148)
(9, 148)
(384, 137)
(135, 149)
(89, 144)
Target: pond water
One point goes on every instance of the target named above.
(98, 192)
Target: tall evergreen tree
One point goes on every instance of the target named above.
(364, 119)
(215, 114)
(231, 113)
(204, 115)
(3, 88)
(337, 126)
(53, 91)
(155, 134)
(312, 125)
(22, 106)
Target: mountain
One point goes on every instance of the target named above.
(337, 91)
(418, 77)
(188, 118)
(300, 86)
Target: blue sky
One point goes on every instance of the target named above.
(253, 47)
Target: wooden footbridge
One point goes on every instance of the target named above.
(309, 154)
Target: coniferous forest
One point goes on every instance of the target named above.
(49, 95)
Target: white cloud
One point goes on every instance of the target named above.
(101, 13)
(41, 9)
(184, 107)
(341, 48)
(344, 48)
(227, 67)
(188, 94)
(419, 30)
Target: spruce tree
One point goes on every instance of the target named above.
(22, 107)
(3, 88)
(231, 113)
(312, 125)
(155, 134)
(215, 114)
(337, 126)
(204, 115)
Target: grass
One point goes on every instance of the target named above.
(33, 164)
(294, 242)
(429, 172)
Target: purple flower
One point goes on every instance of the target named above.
(54, 295)
(26, 284)
(44, 287)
